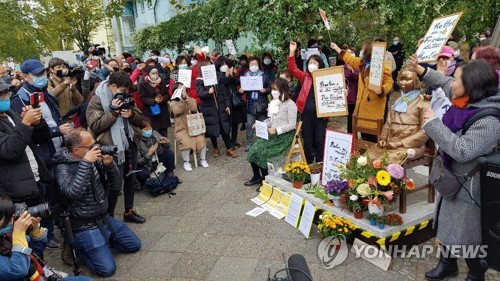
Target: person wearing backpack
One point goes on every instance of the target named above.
(458, 216)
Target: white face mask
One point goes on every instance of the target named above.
(267, 61)
(482, 38)
(275, 94)
(154, 57)
(194, 62)
(448, 63)
(223, 68)
(312, 67)
(456, 53)
(254, 68)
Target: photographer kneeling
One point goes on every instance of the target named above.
(85, 176)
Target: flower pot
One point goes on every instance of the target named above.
(375, 209)
(335, 200)
(381, 226)
(315, 178)
(358, 215)
(298, 184)
(373, 222)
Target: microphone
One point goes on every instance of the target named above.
(297, 270)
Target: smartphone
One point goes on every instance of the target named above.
(36, 99)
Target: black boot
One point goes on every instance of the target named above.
(447, 267)
(256, 179)
(132, 216)
(476, 271)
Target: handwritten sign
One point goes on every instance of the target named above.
(209, 75)
(252, 83)
(377, 66)
(436, 37)
(185, 77)
(261, 130)
(206, 50)
(230, 47)
(329, 88)
(338, 147)
(307, 218)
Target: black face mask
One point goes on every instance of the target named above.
(243, 64)
(116, 69)
(127, 69)
(59, 74)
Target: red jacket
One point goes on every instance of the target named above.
(193, 93)
(305, 80)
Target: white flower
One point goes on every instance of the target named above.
(411, 152)
(353, 197)
(320, 217)
(362, 161)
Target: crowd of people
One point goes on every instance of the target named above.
(76, 138)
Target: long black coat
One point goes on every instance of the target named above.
(147, 93)
(215, 113)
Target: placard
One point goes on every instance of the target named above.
(293, 214)
(382, 261)
(271, 205)
(185, 77)
(257, 211)
(377, 66)
(282, 208)
(230, 47)
(307, 218)
(338, 147)
(310, 52)
(209, 75)
(329, 88)
(265, 194)
(261, 130)
(252, 83)
(206, 50)
(436, 37)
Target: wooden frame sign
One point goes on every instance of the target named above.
(329, 88)
(436, 37)
(377, 66)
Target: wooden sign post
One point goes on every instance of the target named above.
(329, 88)
(377, 66)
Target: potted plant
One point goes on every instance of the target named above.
(297, 172)
(316, 170)
(334, 226)
(373, 219)
(334, 188)
(393, 219)
(357, 209)
(381, 221)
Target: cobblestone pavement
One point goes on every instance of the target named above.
(202, 233)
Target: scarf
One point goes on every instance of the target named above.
(274, 107)
(401, 104)
(118, 128)
(460, 102)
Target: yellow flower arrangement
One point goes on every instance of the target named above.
(297, 171)
(338, 227)
(383, 177)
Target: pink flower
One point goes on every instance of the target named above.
(377, 164)
(388, 195)
(396, 171)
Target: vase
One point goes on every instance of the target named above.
(381, 226)
(358, 215)
(335, 200)
(315, 178)
(298, 184)
(375, 209)
(373, 222)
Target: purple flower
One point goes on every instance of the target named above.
(335, 187)
(396, 171)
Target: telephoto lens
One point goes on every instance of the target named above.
(109, 149)
(40, 210)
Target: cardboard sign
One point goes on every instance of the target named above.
(230, 47)
(338, 147)
(261, 130)
(307, 218)
(209, 75)
(252, 83)
(377, 66)
(185, 77)
(436, 37)
(325, 19)
(329, 88)
(371, 254)
(294, 209)
(206, 50)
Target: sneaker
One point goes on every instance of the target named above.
(187, 167)
(54, 244)
(247, 148)
(132, 216)
(204, 163)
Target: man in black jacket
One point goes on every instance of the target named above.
(85, 176)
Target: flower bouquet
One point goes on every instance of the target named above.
(297, 172)
(336, 227)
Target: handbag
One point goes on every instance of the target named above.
(160, 168)
(155, 109)
(446, 182)
(238, 101)
(196, 124)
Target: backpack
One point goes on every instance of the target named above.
(162, 184)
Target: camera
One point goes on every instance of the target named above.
(127, 100)
(40, 210)
(106, 149)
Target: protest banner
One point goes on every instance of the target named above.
(436, 37)
(209, 75)
(377, 66)
(329, 88)
(338, 147)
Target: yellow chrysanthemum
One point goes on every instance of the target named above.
(383, 177)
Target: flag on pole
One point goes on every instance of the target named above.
(325, 19)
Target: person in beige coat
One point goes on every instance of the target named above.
(62, 86)
(180, 106)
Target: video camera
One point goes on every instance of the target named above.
(41, 210)
(127, 100)
(106, 149)
(74, 71)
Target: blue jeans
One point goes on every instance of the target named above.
(95, 253)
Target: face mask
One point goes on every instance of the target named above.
(166, 60)
(4, 105)
(267, 61)
(194, 62)
(223, 68)
(6, 230)
(116, 69)
(40, 82)
(275, 94)
(456, 53)
(147, 134)
(448, 64)
(482, 38)
(361, 54)
(395, 43)
(243, 64)
(312, 67)
(153, 77)
(127, 69)
(183, 66)
(154, 57)
(60, 73)
(254, 68)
